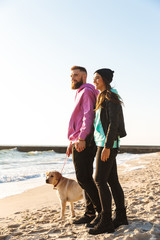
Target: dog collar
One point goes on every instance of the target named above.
(57, 182)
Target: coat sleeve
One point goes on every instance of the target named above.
(112, 110)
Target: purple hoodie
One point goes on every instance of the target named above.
(82, 117)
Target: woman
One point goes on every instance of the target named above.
(109, 127)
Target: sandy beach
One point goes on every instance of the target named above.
(35, 213)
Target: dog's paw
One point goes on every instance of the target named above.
(61, 218)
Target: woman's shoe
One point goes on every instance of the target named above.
(105, 225)
(121, 218)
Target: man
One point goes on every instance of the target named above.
(82, 146)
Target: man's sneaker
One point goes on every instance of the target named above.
(94, 222)
(84, 219)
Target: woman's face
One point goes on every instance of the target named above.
(98, 82)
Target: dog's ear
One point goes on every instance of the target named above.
(58, 175)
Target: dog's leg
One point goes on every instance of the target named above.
(72, 209)
(63, 208)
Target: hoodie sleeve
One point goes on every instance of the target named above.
(88, 105)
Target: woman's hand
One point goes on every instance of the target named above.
(105, 154)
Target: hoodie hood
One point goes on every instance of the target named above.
(89, 86)
(114, 90)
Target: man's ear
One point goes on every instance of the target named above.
(84, 77)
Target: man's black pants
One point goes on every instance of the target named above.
(83, 162)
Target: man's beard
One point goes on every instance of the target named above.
(77, 84)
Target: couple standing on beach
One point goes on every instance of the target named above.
(95, 128)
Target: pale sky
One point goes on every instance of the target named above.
(40, 40)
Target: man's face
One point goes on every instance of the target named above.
(76, 78)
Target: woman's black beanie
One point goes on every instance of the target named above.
(106, 74)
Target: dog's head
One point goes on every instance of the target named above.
(53, 177)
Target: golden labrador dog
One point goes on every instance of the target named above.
(68, 190)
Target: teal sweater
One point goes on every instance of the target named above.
(99, 135)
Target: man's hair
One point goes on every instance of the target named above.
(82, 69)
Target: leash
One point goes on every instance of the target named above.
(65, 161)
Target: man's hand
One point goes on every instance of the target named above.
(69, 150)
(80, 145)
(105, 154)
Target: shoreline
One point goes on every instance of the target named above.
(62, 149)
(12, 188)
(35, 213)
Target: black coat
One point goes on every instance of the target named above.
(112, 122)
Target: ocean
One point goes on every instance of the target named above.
(20, 171)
